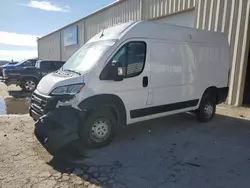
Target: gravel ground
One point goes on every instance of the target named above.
(169, 152)
(172, 152)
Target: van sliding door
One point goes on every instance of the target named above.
(172, 77)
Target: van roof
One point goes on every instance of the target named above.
(156, 30)
(113, 32)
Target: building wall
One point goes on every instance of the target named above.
(229, 16)
(119, 12)
(158, 8)
(68, 51)
(123, 12)
(49, 47)
(186, 18)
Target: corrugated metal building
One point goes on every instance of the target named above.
(228, 16)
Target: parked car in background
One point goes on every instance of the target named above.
(5, 64)
(2, 63)
(11, 63)
(14, 65)
(28, 77)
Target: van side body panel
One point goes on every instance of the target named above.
(180, 74)
(181, 63)
(173, 73)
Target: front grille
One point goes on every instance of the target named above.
(42, 105)
(39, 103)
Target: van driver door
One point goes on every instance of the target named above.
(133, 89)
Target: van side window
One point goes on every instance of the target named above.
(120, 56)
(132, 57)
(136, 56)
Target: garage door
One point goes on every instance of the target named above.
(183, 19)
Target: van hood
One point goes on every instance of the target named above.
(54, 80)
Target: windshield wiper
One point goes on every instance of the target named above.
(72, 71)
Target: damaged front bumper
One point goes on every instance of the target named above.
(55, 126)
(58, 128)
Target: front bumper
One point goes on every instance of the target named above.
(55, 127)
(58, 128)
(41, 104)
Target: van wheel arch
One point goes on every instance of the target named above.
(29, 78)
(207, 105)
(211, 91)
(110, 101)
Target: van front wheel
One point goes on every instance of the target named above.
(207, 109)
(98, 129)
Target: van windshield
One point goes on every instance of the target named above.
(87, 56)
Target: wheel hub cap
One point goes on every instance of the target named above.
(100, 130)
(30, 85)
(209, 110)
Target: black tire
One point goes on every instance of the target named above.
(101, 118)
(207, 109)
(29, 84)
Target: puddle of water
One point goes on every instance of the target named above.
(13, 106)
(17, 106)
(2, 106)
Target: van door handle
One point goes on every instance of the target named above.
(145, 81)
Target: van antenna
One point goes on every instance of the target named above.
(102, 34)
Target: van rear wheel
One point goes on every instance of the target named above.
(207, 109)
(98, 129)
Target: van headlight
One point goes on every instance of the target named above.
(68, 90)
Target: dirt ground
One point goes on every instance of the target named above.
(172, 152)
(4, 90)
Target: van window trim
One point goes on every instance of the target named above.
(125, 43)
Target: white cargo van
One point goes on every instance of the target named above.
(134, 72)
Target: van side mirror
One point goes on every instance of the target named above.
(113, 71)
(118, 73)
